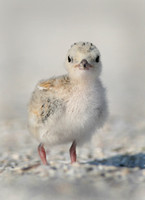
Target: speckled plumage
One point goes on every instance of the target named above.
(70, 107)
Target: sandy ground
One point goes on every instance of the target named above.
(111, 166)
(34, 38)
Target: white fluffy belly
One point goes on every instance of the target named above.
(83, 114)
(67, 130)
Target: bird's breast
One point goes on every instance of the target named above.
(82, 106)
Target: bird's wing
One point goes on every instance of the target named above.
(46, 101)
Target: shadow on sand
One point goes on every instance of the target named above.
(130, 161)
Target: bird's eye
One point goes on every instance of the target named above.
(69, 59)
(97, 59)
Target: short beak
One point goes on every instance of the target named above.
(84, 63)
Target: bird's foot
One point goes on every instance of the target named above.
(42, 154)
(72, 151)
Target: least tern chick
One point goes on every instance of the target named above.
(69, 108)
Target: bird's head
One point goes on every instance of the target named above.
(83, 61)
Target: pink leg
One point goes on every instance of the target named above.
(42, 154)
(72, 151)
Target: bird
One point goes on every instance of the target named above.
(69, 108)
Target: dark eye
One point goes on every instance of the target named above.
(69, 59)
(97, 59)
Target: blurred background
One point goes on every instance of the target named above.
(35, 36)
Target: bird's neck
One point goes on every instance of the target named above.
(84, 83)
